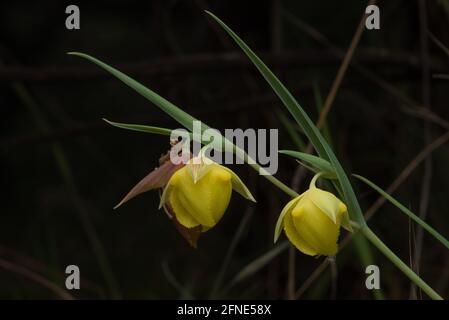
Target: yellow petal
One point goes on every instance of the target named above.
(182, 215)
(296, 238)
(345, 221)
(280, 222)
(238, 185)
(207, 199)
(198, 167)
(315, 227)
(326, 201)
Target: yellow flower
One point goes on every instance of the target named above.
(199, 193)
(312, 221)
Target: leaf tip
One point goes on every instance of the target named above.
(74, 53)
(107, 121)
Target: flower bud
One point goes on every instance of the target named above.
(312, 222)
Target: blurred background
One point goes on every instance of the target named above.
(63, 169)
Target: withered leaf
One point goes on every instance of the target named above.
(157, 178)
(191, 235)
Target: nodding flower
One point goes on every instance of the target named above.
(312, 221)
(199, 193)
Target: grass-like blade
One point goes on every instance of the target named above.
(176, 113)
(172, 110)
(140, 128)
(301, 117)
(318, 163)
(319, 105)
(292, 131)
(405, 210)
(286, 97)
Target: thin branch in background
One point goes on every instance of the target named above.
(37, 266)
(207, 63)
(355, 63)
(441, 76)
(35, 277)
(334, 278)
(328, 103)
(426, 100)
(438, 42)
(66, 173)
(343, 68)
(229, 254)
(312, 278)
(405, 173)
(291, 276)
(427, 115)
(411, 107)
(276, 47)
(184, 293)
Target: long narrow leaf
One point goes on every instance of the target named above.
(291, 130)
(292, 105)
(405, 210)
(301, 117)
(140, 128)
(175, 112)
(319, 163)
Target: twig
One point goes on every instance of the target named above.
(38, 267)
(230, 252)
(438, 43)
(343, 68)
(425, 187)
(37, 278)
(208, 62)
(299, 173)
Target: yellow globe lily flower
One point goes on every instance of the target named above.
(199, 193)
(312, 221)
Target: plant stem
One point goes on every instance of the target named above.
(371, 236)
(314, 179)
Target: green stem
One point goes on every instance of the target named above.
(371, 236)
(314, 179)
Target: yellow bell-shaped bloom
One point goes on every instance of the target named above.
(312, 221)
(199, 193)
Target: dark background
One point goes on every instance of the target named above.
(63, 169)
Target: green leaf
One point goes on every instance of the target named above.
(172, 110)
(319, 164)
(405, 210)
(301, 117)
(292, 131)
(176, 113)
(319, 105)
(292, 105)
(239, 186)
(140, 128)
